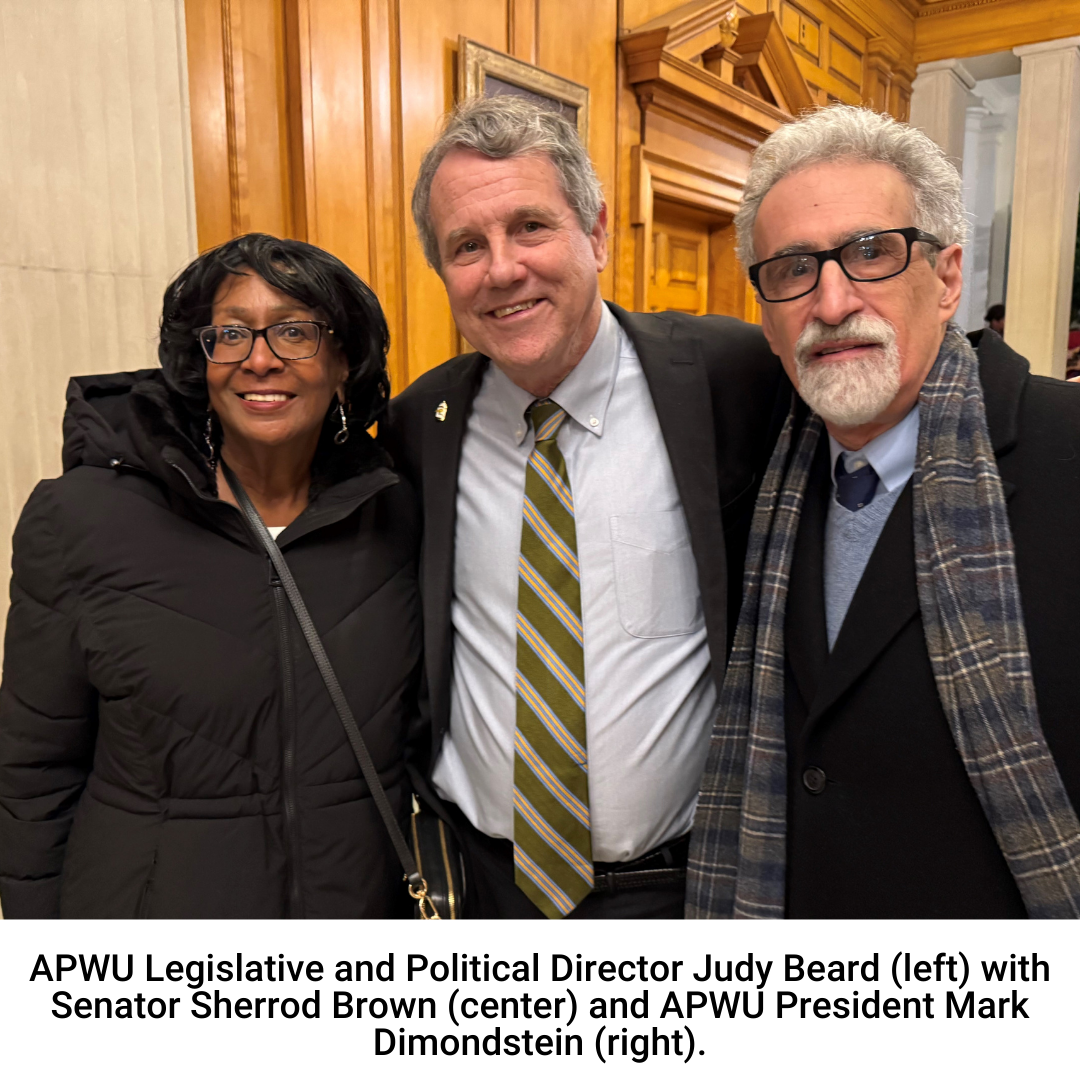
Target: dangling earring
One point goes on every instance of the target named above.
(208, 436)
(341, 436)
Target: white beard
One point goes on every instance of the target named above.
(848, 393)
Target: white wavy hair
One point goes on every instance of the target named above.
(839, 132)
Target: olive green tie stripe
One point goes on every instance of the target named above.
(552, 841)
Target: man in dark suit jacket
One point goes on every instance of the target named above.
(606, 601)
(898, 831)
(891, 806)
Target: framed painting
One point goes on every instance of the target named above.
(484, 72)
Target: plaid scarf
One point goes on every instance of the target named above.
(973, 621)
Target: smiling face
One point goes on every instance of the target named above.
(520, 272)
(264, 401)
(871, 341)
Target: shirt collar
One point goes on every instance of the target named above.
(510, 402)
(584, 393)
(892, 453)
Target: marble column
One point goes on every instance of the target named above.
(980, 172)
(940, 96)
(1004, 103)
(97, 188)
(1045, 194)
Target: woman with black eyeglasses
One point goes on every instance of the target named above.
(167, 745)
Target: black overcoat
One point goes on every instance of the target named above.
(896, 830)
(167, 747)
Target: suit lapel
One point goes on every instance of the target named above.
(679, 385)
(805, 637)
(1004, 375)
(884, 602)
(442, 440)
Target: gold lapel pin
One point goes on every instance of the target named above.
(440, 411)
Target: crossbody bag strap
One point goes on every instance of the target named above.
(417, 885)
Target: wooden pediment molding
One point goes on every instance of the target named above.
(688, 30)
(767, 66)
(704, 65)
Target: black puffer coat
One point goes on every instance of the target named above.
(167, 747)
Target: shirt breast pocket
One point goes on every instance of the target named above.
(656, 582)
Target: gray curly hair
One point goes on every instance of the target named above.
(837, 132)
(503, 127)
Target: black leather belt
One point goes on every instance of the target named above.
(664, 865)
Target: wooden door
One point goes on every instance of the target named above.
(694, 266)
(679, 278)
(730, 291)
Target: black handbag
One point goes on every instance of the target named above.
(418, 887)
(438, 857)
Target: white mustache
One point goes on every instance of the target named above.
(868, 328)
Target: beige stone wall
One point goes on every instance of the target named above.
(1045, 194)
(97, 204)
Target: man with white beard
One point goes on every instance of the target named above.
(897, 734)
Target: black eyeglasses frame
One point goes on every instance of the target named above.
(255, 334)
(911, 234)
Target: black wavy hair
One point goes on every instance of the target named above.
(317, 279)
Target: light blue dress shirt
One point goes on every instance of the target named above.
(850, 535)
(649, 690)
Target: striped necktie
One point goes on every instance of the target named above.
(552, 840)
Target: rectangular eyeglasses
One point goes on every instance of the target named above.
(873, 257)
(286, 340)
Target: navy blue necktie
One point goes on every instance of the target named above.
(855, 490)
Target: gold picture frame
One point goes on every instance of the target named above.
(484, 72)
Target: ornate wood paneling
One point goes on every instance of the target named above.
(679, 278)
(802, 30)
(710, 83)
(239, 123)
(973, 27)
(767, 66)
(851, 51)
(309, 118)
(387, 202)
(284, 115)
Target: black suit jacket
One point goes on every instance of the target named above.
(716, 388)
(897, 831)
